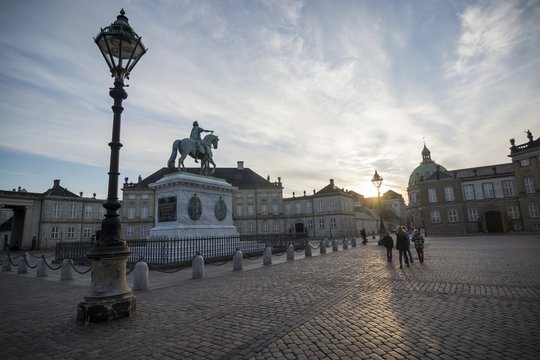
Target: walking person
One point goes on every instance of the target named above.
(388, 243)
(418, 241)
(408, 236)
(402, 245)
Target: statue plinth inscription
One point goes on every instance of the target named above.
(167, 209)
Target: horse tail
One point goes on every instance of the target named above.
(172, 159)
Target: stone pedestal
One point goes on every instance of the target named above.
(190, 205)
(110, 297)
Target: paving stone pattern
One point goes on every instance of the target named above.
(473, 298)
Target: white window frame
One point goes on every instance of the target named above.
(72, 212)
(144, 212)
(55, 232)
(532, 207)
(308, 207)
(88, 212)
(250, 210)
(56, 210)
(513, 211)
(452, 216)
(275, 209)
(131, 212)
(264, 226)
(435, 217)
(432, 196)
(264, 209)
(298, 208)
(239, 210)
(333, 223)
(472, 214)
(276, 226)
(529, 185)
(71, 232)
(449, 193)
(310, 223)
(524, 162)
(468, 192)
(488, 190)
(321, 224)
(508, 188)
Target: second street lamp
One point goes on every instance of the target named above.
(377, 181)
(110, 297)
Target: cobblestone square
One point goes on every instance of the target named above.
(475, 297)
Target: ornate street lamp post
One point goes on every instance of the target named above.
(377, 181)
(110, 297)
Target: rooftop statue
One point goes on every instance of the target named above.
(197, 148)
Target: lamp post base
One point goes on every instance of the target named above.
(110, 297)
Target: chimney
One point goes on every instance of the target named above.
(80, 193)
(56, 183)
(240, 165)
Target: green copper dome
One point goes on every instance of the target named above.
(425, 169)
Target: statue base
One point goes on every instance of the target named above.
(190, 205)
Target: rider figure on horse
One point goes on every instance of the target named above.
(196, 135)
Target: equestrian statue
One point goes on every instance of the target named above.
(197, 148)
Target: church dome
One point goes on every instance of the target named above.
(425, 169)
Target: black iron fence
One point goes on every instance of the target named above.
(182, 250)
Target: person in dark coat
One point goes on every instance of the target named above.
(418, 241)
(402, 245)
(388, 243)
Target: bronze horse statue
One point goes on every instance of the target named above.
(190, 147)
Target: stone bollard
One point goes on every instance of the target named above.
(290, 252)
(6, 265)
(65, 270)
(353, 242)
(267, 256)
(238, 259)
(322, 246)
(198, 267)
(41, 269)
(22, 264)
(307, 250)
(345, 244)
(140, 276)
(334, 245)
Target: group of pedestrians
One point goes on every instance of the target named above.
(403, 245)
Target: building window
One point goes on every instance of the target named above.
(240, 227)
(71, 232)
(331, 205)
(239, 210)
(308, 207)
(489, 192)
(144, 212)
(435, 217)
(319, 206)
(145, 196)
(533, 210)
(250, 194)
(508, 188)
(453, 216)
(288, 209)
(55, 232)
(321, 223)
(524, 162)
(264, 225)
(132, 196)
(87, 212)
(298, 208)
(101, 212)
(275, 209)
(449, 193)
(262, 194)
(529, 185)
(468, 192)
(276, 225)
(513, 212)
(264, 209)
(131, 212)
(129, 232)
(56, 211)
(86, 232)
(72, 212)
(251, 226)
(333, 223)
(310, 223)
(250, 210)
(432, 195)
(274, 193)
(144, 231)
(472, 215)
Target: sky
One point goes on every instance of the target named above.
(306, 90)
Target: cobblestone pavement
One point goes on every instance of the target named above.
(475, 297)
